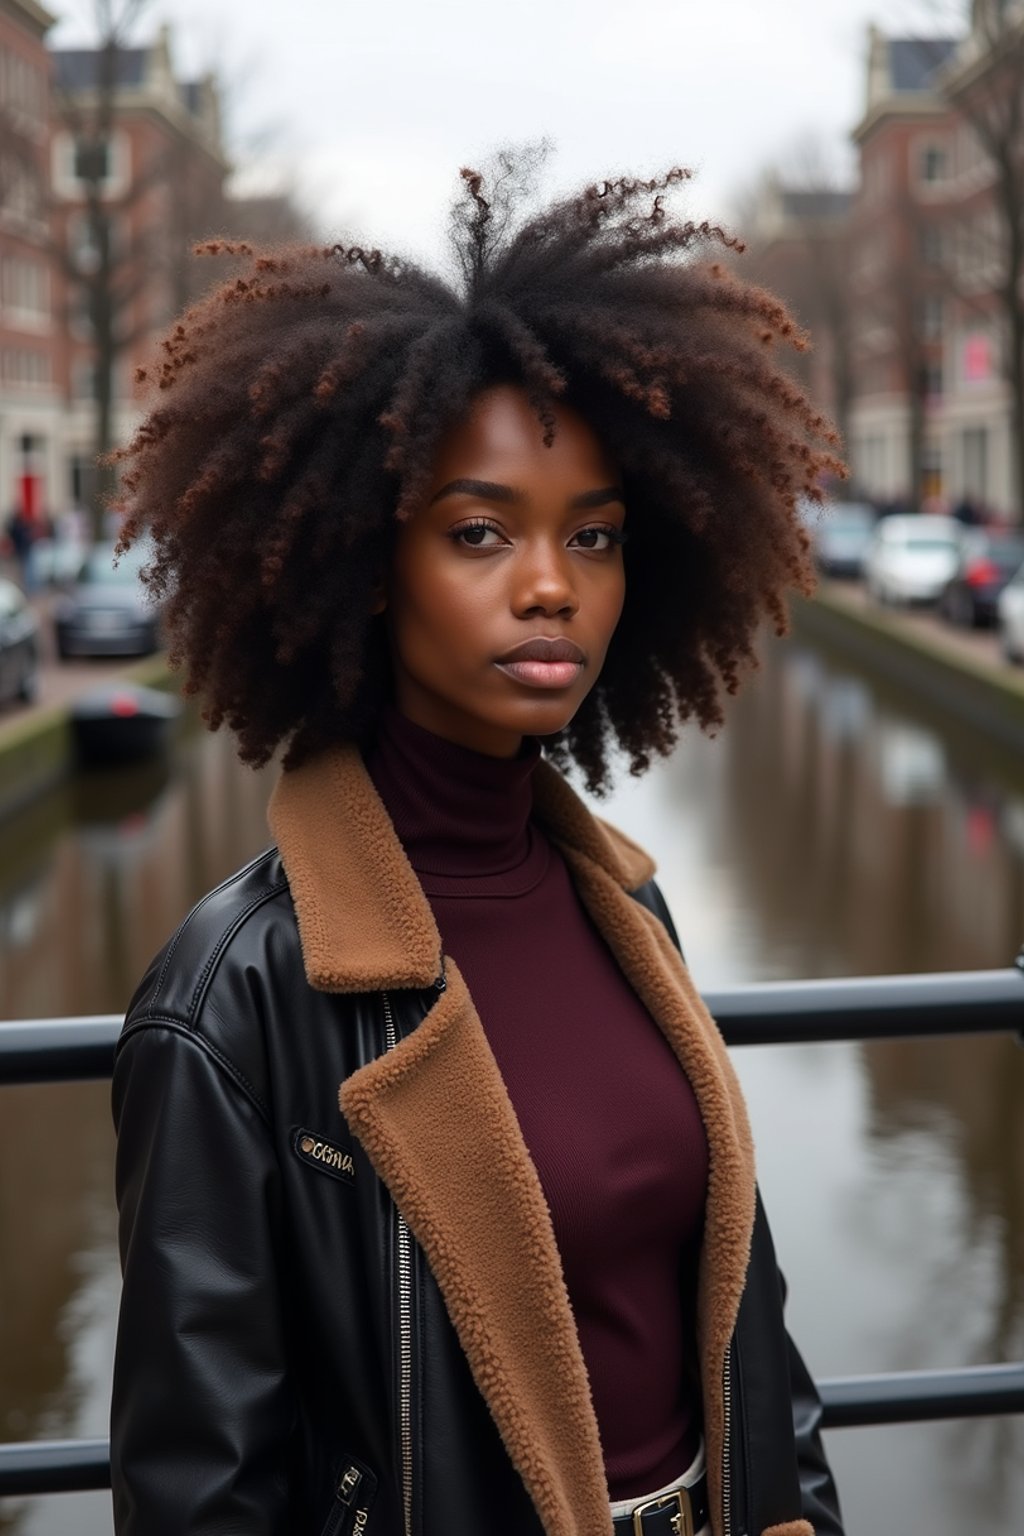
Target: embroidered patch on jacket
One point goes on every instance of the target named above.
(324, 1156)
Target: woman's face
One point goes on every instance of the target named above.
(506, 586)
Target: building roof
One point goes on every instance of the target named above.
(915, 61)
(76, 68)
(28, 11)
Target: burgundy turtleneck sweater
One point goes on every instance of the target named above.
(606, 1111)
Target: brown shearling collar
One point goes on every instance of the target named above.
(435, 1119)
(360, 931)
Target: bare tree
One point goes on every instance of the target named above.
(805, 258)
(107, 270)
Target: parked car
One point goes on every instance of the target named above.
(987, 562)
(1010, 617)
(56, 562)
(911, 558)
(19, 645)
(108, 612)
(843, 538)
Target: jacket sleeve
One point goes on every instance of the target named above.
(201, 1411)
(817, 1489)
(819, 1498)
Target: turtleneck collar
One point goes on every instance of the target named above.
(462, 817)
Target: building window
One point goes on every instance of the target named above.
(22, 94)
(77, 160)
(92, 159)
(931, 245)
(974, 453)
(931, 316)
(931, 469)
(26, 291)
(933, 163)
(84, 380)
(25, 369)
(82, 475)
(82, 244)
(21, 192)
(931, 381)
(871, 464)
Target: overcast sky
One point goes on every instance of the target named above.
(371, 106)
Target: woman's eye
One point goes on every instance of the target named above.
(477, 536)
(598, 539)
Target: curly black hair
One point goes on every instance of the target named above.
(304, 400)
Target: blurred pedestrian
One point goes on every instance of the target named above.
(523, 1282)
(20, 533)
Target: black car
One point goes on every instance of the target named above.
(108, 611)
(19, 645)
(987, 562)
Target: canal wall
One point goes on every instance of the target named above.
(36, 748)
(935, 667)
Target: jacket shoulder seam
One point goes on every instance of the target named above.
(236, 921)
(204, 1043)
(198, 908)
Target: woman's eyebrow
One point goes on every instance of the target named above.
(487, 490)
(599, 498)
(510, 495)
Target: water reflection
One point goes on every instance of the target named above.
(836, 829)
(94, 877)
(833, 828)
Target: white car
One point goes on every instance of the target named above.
(911, 559)
(1010, 611)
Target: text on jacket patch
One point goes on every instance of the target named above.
(331, 1159)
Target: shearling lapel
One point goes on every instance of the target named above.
(435, 1119)
(364, 921)
(437, 1123)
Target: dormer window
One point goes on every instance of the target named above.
(934, 164)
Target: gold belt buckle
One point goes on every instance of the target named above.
(681, 1522)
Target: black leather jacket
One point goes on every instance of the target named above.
(286, 1364)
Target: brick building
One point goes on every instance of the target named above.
(927, 259)
(901, 283)
(31, 405)
(986, 74)
(898, 293)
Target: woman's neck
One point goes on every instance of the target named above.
(456, 811)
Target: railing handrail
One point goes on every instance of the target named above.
(763, 1013)
(770, 1013)
(80, 1466)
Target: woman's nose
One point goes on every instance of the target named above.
(544, 585)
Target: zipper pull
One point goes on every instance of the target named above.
(349, 1485)
(441, 984)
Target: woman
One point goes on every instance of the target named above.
(438, 1210)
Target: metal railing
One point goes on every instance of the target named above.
(774, 1013)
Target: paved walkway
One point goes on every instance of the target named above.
(982, 644)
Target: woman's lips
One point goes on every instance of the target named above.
(542, 674)
(543, 661)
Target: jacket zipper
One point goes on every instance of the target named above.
(404, 1246)
(727, 1436)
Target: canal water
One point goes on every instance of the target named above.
(833, 828)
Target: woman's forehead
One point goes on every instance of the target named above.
(501, 436)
